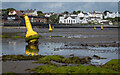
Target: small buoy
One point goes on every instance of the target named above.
(101, 27)
(50, 29)
(94, 28)
(53, 27)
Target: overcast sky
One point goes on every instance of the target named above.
(59, 7)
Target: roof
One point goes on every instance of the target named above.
(73, 17)
(28, 11)
(12, 11)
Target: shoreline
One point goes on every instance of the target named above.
(65, 26)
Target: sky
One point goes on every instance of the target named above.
(59, 7)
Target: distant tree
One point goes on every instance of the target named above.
(66, 12)
(39, 12)
(105, 12)
(53, 18)
(74, 12)
(4, 11)
(79, 11)
(41, 15)
(9, 9)
(59, 16)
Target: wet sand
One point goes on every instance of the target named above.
(18, 66)
(69, 36)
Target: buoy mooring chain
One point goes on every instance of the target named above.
(31, 36)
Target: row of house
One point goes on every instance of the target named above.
(16, 17)
(90, 17)
(30, 12)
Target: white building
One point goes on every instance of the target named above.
(82, 18)
(13, 12)
(31, 12)
(117, 14)
(49, 14)
(68, 20)
(110, 15)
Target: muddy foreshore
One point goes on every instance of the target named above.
(71, 37)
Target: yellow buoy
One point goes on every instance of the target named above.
(50, 29)
(101, 27)
(94, 28)
(31, 35)
(53, 27)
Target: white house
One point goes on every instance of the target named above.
(13, 12)
(68, 20)
(117, 14)
(31, 12)
(49, 14)
(110, 15)
(81, 14)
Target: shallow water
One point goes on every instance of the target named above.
(12, 46)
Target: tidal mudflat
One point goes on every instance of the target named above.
(99, 45)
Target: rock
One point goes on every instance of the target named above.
(98, 57)
(72, 55)
(86, 44)
(96, 45)
(65, 45)
(88, 59)
(82, 44)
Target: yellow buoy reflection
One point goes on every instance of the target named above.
(32, 49)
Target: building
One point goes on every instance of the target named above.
(110, 15)
(81, 18)
(30, 12)
(49, 14)
(15, 12)
(68, 20)
(37, 19)
(12, 20)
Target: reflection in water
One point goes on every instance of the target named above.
(32, 49)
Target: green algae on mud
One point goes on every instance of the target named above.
(61, 59)
(114, 64)
(47, 59)
(111, 67)
(7, 36)
(49, 67)
(71, 69)
(20, 57)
